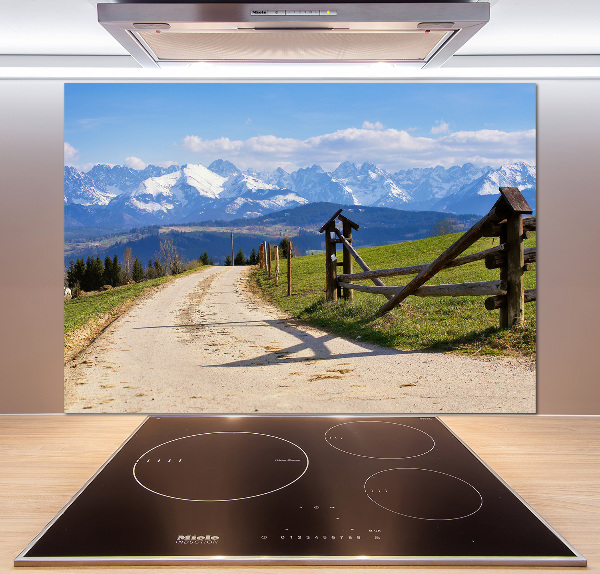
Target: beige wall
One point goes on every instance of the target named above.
(31, 144)
(31, 239)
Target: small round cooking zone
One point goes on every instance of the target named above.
(423, 494)
(220, 466)
(379, 439)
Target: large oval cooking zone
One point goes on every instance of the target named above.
(220, 466)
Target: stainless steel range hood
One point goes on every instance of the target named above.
(417, 33)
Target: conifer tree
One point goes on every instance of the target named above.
(116, 272)
(94, 274)
(158, 268)
(284, 246)
(86, 283)
(79, 271)
(239, 258)
(108, 271)
(253, 257)
(75, 275)
(98, 273)
(138, 270)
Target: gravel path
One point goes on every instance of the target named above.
(203, 343)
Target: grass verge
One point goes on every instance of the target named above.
(443, 324)
(86, 317)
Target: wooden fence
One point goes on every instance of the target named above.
(268, 259)
(505, 220)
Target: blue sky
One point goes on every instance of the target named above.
(292, 125)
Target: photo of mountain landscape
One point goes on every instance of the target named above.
(122, 196)
(159, 177)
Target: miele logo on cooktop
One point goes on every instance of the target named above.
(195, 539)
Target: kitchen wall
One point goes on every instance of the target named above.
(31, 244)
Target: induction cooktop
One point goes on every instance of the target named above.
(296, 490)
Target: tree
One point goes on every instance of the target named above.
(158, 268)
(116, 272)
(76, 273)
(69, 272)
(253, 257)
(204, 258)
(98, 273)
(239, 258)
(93, 275)
(444, 227)
(168, 257)
(178, 266)
(107, 278)
(128, 262)
(150, 270)
(228, 260)
(138, 270)
(284, 246)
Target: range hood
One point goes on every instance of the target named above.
(417, 33)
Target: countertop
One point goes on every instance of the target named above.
(553, 462)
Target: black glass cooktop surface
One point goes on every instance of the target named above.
(296, 490)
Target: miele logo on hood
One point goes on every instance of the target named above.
(197, 539)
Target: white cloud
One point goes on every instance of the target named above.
(71, 154)
(167, 163)
(135, 162)
(387, 147)
(440, 127)
(372, 126)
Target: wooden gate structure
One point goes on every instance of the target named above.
(505, 220)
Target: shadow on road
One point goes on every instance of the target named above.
(309, 347)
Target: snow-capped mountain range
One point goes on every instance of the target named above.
(122, 196)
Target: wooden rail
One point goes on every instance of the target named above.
(359, 260)
(451, 290)
(418, 268)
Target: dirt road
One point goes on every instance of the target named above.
(204, 344)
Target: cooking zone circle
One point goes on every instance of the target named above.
(423, 494)
(220, 466)
(379, 439)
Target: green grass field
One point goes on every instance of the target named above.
(445, 324)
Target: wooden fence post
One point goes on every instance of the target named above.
(269, 259)
(503, 310)
(513, 313)
(330, 258)
(515, 264)
(261, 256)
(276, 265)
(266, 263)
(289, 267)
(330, 263)
(347, 227)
